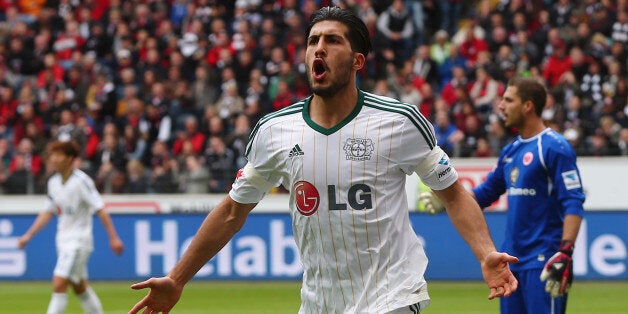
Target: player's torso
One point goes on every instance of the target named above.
(65, 195)
(341, 170)
(348, 205)
(524, 171)
(75, 220)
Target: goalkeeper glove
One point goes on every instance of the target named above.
(430, 202)
(558, 271)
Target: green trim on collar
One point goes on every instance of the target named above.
(325, 131)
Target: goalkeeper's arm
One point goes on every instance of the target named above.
(558, 271)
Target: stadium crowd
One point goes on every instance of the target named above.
(162, 94)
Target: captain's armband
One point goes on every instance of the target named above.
(436, 171)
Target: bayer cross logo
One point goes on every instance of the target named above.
(358, 149)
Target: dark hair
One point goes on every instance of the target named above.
(71, 149)
(532, 90)
(358, 33)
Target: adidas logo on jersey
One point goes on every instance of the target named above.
(296, 151)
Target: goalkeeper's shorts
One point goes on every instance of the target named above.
(530, 297)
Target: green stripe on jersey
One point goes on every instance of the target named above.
(410, 111)
(292, 109)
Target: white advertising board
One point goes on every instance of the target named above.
(604, 180)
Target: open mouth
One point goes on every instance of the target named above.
(318, 69)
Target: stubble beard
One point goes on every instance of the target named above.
(341, 82)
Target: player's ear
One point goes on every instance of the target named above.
(358, 61)
(528, 106)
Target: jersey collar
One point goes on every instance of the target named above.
(345, 121)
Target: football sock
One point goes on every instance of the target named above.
(58, 303)
(90, 302)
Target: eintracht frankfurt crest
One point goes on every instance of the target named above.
(358, 149)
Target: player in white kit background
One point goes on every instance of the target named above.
(344, 156)
(73, 197)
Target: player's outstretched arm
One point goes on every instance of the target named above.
(219, 227)
(40, 222)
(467, 217)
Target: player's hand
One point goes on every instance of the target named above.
(22, 241)
(431, 202)
(558, 271)
(498, 276)
(163, 295)
(116, 245)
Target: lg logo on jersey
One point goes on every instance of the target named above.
(307, 198)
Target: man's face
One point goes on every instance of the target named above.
(329, 58)
(59, 161)
(511, 108)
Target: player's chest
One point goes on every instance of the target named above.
(523, 166)
(64, 196)
(347, 152)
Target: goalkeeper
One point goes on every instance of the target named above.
(545, 202)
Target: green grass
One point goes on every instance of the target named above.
(283, 297)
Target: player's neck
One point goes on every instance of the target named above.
(531, 128)
(330, 111)
(65, 173)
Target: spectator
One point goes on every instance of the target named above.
(591, 88)
(67, 42)
(450, 12)
(396, 30)
(284, 97)
(558, 63)
(8, 105)
(110, 162)
(133, 142)
(483, 91)
(425, 67)
(560, 12)
(238, 138)
(189, 134)
(457, 87)
(623, 142)
(220, 161)
(447, 135)
(26, 114)
(620, 28)
(454, 60)
(163, 174)
(440, 48)
(66, 130)
(195, 179)
(474, 131)
(471, 47)
(136, 181)
(24, 168)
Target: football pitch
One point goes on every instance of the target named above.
(283, 297)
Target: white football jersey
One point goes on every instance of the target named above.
(347, 200)
(74, 202)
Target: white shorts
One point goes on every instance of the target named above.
(72, 264)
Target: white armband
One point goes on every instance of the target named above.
(436, 171)
(255, 178)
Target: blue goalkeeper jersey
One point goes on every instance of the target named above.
(543, 185)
